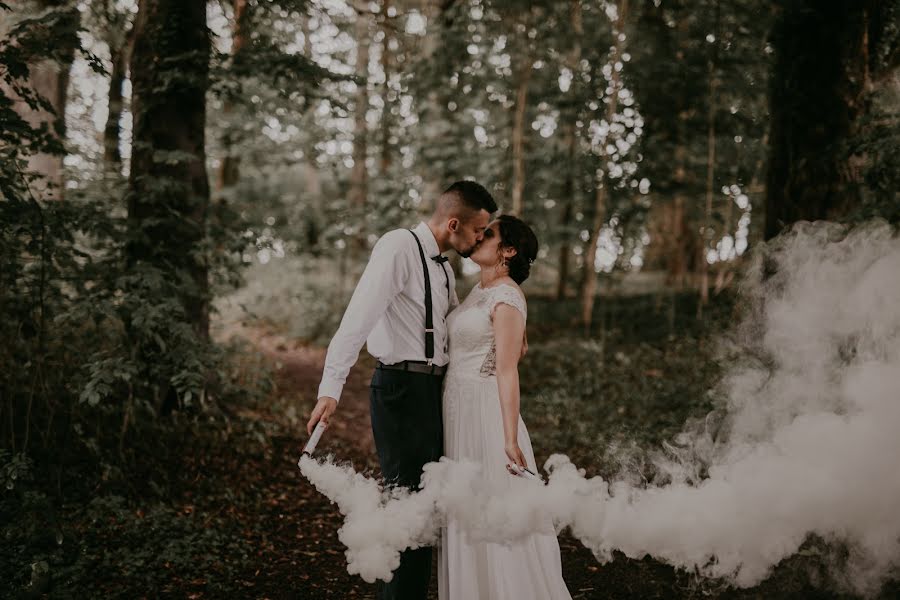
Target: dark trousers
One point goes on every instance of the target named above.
(408, 429)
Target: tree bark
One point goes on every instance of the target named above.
(112, 133)
(310, 169)
(589, 289)
(112, 157)
(168, 190)
(50, 80)
(681, 238)
(359, 176)
(518, 135)
(386, 116)
(818, 90)
(229, 170)
(570, 141)
(707, 233)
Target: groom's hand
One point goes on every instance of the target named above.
(322, 412)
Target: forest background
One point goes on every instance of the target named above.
(190, 190)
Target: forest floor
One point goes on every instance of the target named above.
(299, 554)
(292, 528)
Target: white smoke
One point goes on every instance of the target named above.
(809, 443)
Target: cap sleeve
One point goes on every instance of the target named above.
(507, 294)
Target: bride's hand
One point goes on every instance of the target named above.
(515, 455)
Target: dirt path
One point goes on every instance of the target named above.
(294, 527)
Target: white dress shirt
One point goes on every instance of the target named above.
(387, 309)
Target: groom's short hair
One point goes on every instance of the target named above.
(469, 195)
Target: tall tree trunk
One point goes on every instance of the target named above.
(310, 170)
(112, 157)
(168, 190)
(112, 133)
(707, 233)
(753, 189)
(570, 141)
(50, 79)
(818, 89)
(229, 170)
(681, 238)
(386, 116)
(518, 135)
(359, 176)
(589, 289)
(564, 247)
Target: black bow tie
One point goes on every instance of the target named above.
(440, 259)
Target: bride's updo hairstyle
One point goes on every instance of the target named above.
(514, 233)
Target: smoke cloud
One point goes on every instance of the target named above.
(806, 441)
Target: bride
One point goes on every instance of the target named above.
(482, 423)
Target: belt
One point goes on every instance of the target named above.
(415, 366)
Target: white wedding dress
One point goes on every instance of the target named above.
(529, 568)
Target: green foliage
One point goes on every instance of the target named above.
(877, 147)
(14, 469)
(591, 405)
(295, 296)
(97, 335)
(93, 349)
(613, 399)
(119, 549)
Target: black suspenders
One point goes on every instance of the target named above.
(429, 317)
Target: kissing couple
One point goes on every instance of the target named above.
(447, 384)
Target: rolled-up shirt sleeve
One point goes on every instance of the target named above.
(384, 278)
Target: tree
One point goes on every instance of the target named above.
(829, 58)
(570, 113)
(524, 62)
(109, 23)
(605, 150)
(229, 169)
(168, 190)
(707, 231)
(359, 178)
(49, 80)
(699, 76)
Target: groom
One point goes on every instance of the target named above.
(400, 309)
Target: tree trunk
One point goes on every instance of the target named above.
(359, 176)
(229, 171)
(112, 133)
(564, 248)
(570, 142)
(818, 89)
(518, 135)
(168, 190)
(112, 157)
(589, 289)
(310, 169)
(681, 238)
(386, 117)
(50, 79)
(707, 233)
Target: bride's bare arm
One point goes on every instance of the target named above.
(509, 330)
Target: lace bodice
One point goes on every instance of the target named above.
(473, 351)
